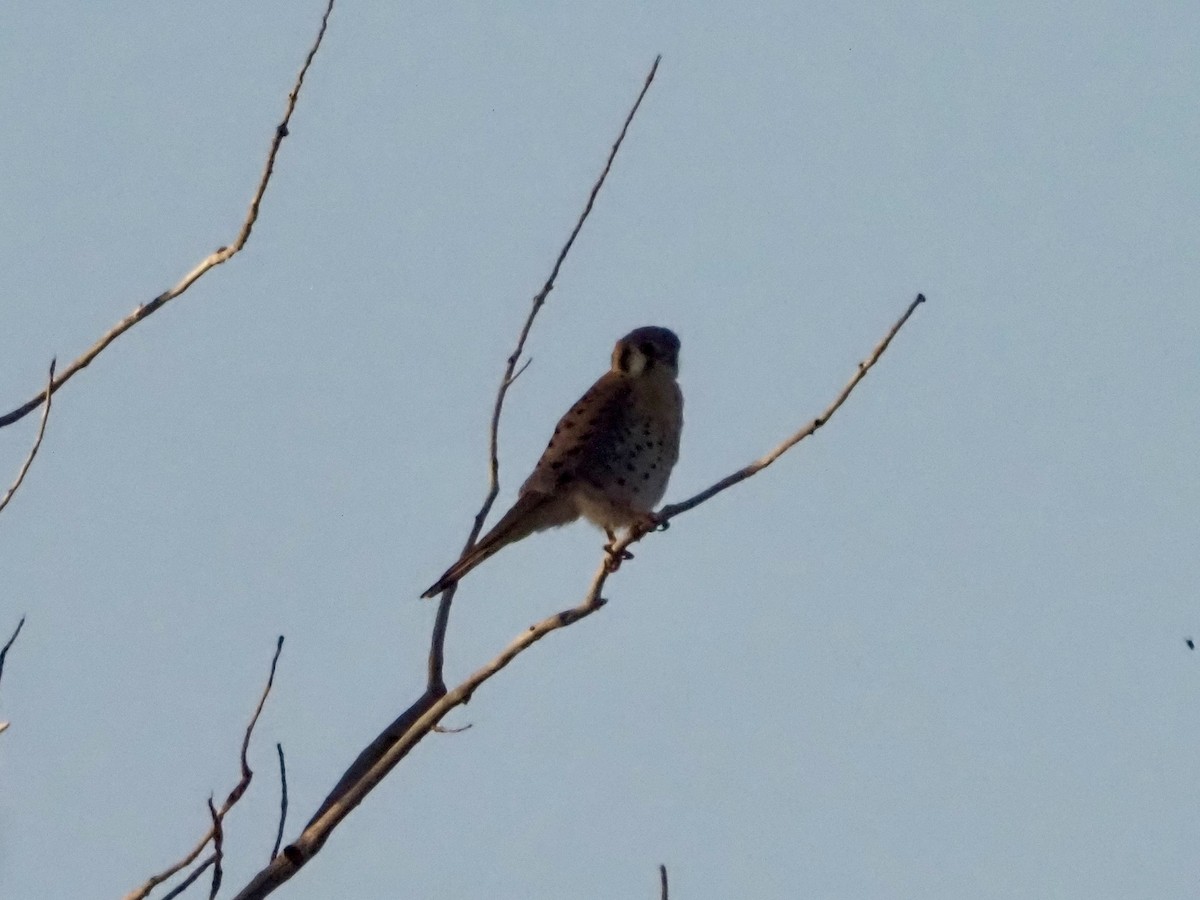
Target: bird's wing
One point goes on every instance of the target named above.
(584, 438)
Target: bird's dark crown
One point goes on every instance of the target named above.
(646, 348)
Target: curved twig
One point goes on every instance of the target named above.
(214, 259)
(214, 832)
(218, 853)
(436, 684)
(8, 644)
(37, 441)
(4, 653)
(283, 801)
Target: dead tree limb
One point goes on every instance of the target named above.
(374, 763)
(215, 832)
(217, 257)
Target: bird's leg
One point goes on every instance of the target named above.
(614, 559)
(612, 539)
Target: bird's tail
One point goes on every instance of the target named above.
(522, 520)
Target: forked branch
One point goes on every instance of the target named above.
(37, 441)
(423, 716)
(215, 831)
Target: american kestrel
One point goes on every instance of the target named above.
(610, 456)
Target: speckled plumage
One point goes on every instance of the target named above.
(610, 456)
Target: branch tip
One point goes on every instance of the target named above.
(222, 255)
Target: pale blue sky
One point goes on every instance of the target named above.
(936, 652)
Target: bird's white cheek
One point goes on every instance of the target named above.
(636, 364)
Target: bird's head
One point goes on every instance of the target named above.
(646, 350)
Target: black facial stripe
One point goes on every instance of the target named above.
(623, 358)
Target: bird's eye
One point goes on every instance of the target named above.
(647, 350)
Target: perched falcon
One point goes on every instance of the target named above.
(610, 456)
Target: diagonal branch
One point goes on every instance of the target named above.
(215, 833)
(674, 509)
(37, 441)
(4, 653)
(214, 259)
(191, 878)
(374, 763)
(436, 683)
(8, 645)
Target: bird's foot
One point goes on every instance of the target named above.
(615, 559)
(651, 521)
(615, 556)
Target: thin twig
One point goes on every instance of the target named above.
(283, 801)
(3, 654)
(517, 374)
(674, 509)
(214, 259)
(662, 880)
(191, 878)
(436, 683)
(237, 792)
(37, 442)
(12, 640)
(218, 853)
(234, 796)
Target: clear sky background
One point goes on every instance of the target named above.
(937, 651)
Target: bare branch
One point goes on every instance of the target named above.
(191, 878)
(283, 801)
(517, 374)
(214, 832)
(669, 512)
(214, 259)
(8, 645)
(382, 755)
(37, 442)
(218, 849)
(3, 654)
(237, 792)
(374, 762)
(662, 880)
(436, 682)
(424, 715)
